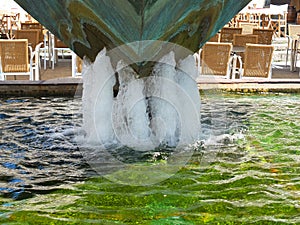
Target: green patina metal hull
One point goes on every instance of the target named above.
(87, 26)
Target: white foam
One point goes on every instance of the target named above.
(164, 112)
(190, 103)
(163, 109)
(98, 82)
(130, 116)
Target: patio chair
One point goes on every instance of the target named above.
(31, 35)
(258, 60)
(34, 26)
(265, 21)
(15, 21)
(243, 39)
(14, 58)
(247, 28)
(9, 23)
(292, 50)
(43, 37)
(279, 19)
(215, 38)
(265, 36)
(216, 60)
(227, 33)
(4, 25)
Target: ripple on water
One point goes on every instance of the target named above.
(245, 171)
(34, 152)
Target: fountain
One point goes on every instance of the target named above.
(44, 180)
(89, 26)
(145, 49)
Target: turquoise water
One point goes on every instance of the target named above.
(246, 173)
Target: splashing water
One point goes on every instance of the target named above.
(159, 110)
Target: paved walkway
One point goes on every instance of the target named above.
(63, 69)
(59, 82)
(282, 72)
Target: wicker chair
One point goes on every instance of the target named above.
(34, 26)
(258, 60)
(14, 58)
(227, 33)
(31, 35)
(43, 37)
(265, 36)
(216, 59)
(215, 38)
(248, 27)
(240, 40)
(243, 39)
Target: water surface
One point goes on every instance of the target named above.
(246, 170)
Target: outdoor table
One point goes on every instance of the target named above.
(238, 49)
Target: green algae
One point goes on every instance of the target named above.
(257, 183)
